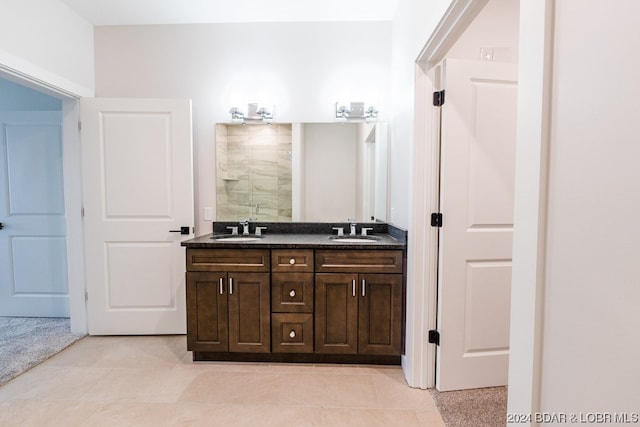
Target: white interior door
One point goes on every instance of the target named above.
(33, 250)
(477, 182)
(137, 188)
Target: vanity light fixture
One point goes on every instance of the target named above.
(356, 111)
(237, 116)
(253, 114)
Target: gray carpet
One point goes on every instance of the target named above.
(28, 341)
(483, 407)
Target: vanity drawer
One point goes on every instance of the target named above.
(288, 260)
(358, 261)
(292, 333)
(253, 260)
(292, 292)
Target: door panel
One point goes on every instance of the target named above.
(380, 314)
(487, 294)
(208, 311)
(33, 251)
(477, 181)
(137, 187)
(336, 313)
(137, 142)
(249, 312)
(154, 287)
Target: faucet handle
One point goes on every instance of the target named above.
(365, 229)
(234, 230)
(340, 230)
(259, 230)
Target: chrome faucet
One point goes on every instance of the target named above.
(245, 228)
(352, 229)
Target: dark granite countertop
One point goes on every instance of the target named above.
(283, 241)
(303, 235)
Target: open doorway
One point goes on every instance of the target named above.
(34, 243)
(33, 252)
(64, 258)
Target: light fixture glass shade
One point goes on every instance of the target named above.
(356, 111)
(254, 113)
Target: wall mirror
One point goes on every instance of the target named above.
(311, 172)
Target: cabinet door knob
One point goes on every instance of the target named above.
(292, 293)
(292, 261)
(292, 334)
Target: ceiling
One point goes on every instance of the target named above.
(145, 12)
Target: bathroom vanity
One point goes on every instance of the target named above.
(297, 293)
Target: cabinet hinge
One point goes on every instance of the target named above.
(438, 98)
(436, 219)
(434, 337)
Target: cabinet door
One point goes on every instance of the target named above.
(336, 329)
(207, 328)
(249, 313)
(380, 314)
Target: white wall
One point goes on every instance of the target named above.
(48, 42)
(303, 68)
(495, 30)
(591, 317)
(413, 23)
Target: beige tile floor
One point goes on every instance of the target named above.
(151, 381)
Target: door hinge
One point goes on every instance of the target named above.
(436, 219)
(438, 98)
(434, 337)
(79, 125)
(82, 212)
(86, 295)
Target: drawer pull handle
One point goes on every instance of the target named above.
(353, 287)
(221, 289)
(230, 285)
(292, 261)
(364, 288)
(292, 334)
(292, 293)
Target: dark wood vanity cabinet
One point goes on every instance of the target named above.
(359, 314)
(228, 310)
(359, 311)
(297, 304)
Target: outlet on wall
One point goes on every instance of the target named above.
(208, 214)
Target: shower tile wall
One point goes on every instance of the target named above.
(253, 172)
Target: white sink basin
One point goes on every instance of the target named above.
(354, 239)
(236, 238)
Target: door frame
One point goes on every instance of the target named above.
(421, 357)
(72, 178)
(532, 168)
